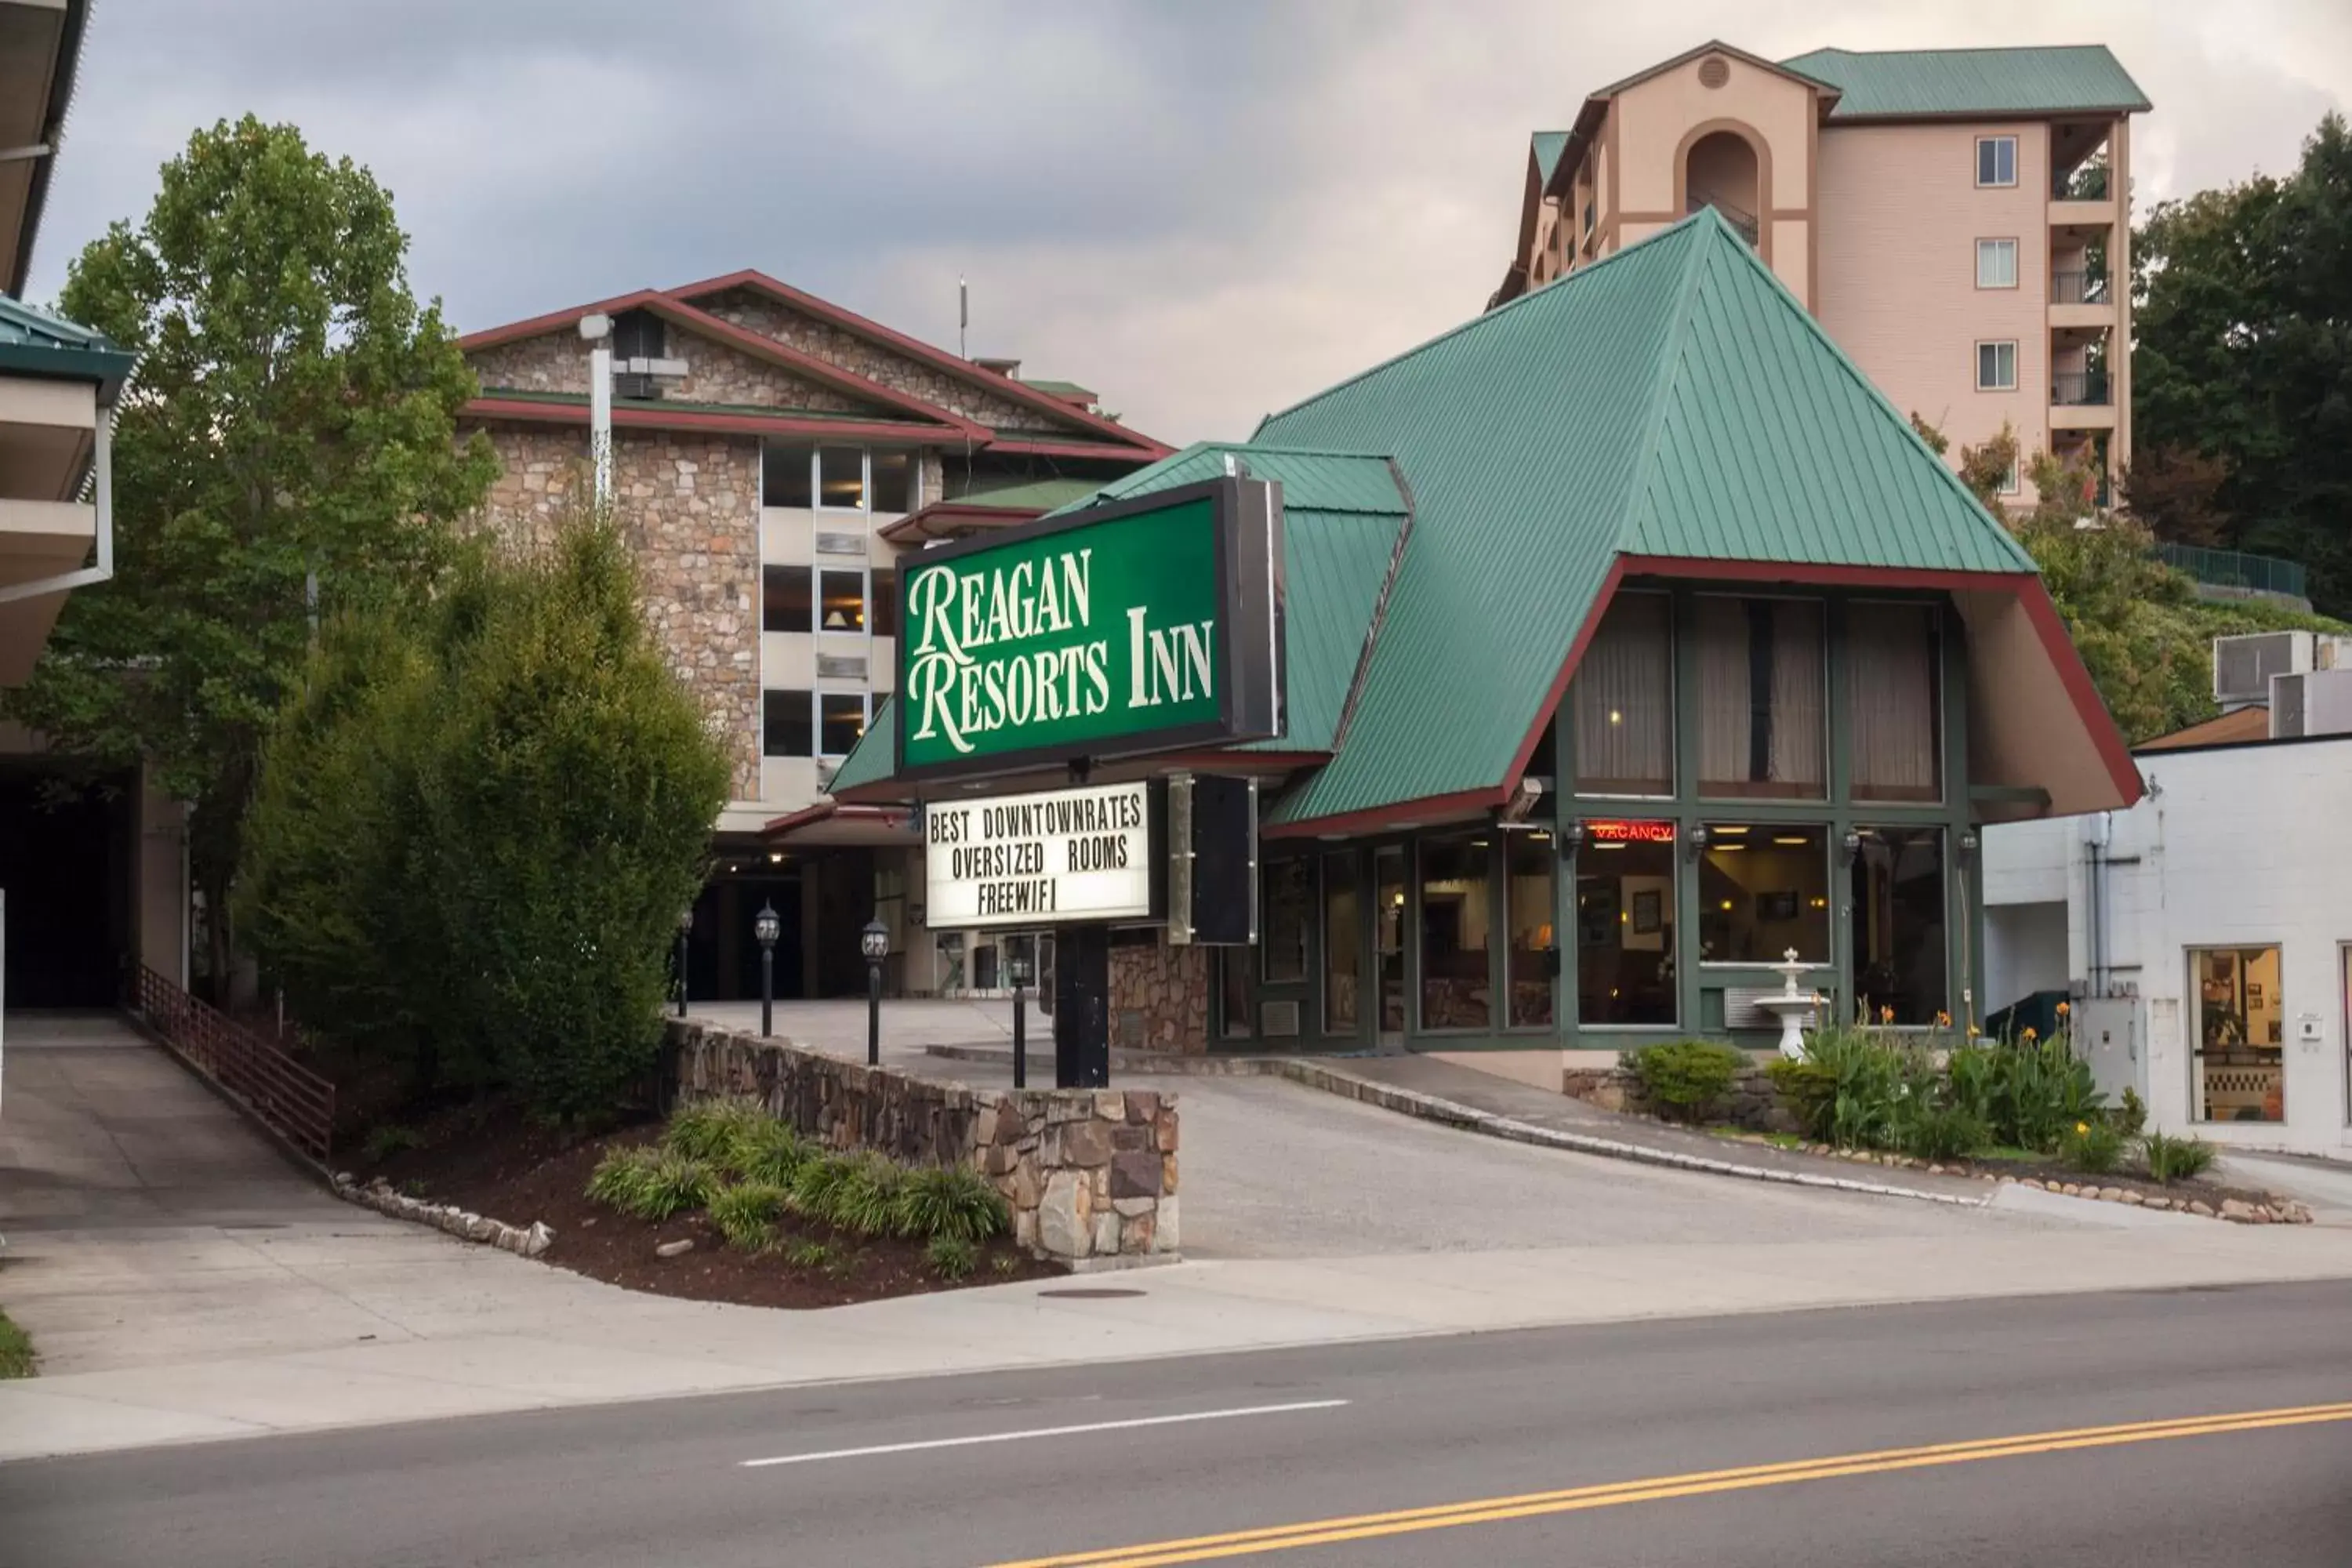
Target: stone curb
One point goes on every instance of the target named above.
(466, 1225)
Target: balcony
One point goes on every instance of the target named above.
(2084, 183)
(2079, 287)
(2078, 389)
(1738, 218)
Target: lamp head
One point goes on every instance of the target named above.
(873, 941)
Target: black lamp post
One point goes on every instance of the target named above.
(685, 929)
(873, 941)
(767, 927)
(1021, 977)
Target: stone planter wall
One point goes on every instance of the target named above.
(1090, 1174)
(1752, 1102)
(1159, 999)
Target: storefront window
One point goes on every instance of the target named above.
(1534, 956)
(1234, 1012)
(1625, 700)
(1625, 923)
(1898, 923)
(1457, 982)
(1763, 888)
(1343, 935)
(1760, 699)
(1892, 693)
(952, 979)
(1388, 914)
(2240, 1033)
(1289, 907)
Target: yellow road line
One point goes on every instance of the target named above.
(1486, 1510)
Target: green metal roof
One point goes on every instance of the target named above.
(1038, 495)
(32, 341)
(680, 406)
(1058, 388)
(876, 755)
(1904, 83)
(1547, 145)
(1672, 399)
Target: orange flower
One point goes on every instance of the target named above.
(2064, 1009)
(2031, 1034)
(1886, 1014)
(1944, 1020)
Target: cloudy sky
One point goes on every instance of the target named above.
(1205, 210)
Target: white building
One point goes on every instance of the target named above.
(2206, 934)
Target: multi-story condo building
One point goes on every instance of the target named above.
(772, 455)
(1959, 220)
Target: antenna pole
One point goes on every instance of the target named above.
(964, 315)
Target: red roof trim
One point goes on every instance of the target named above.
(780, 424)
(1138, 452)
(554, 321)
(2113, 749)
(916, 525)
(1553, 698)
(825, 810)
(915, 348)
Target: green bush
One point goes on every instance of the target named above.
(387, 1139)
(746, 1214)
(867, 1201)
(2170, 1159)
(475, 826)
(1809, 1088)
(951, 1256)
(2130, 1113)
(711, 1128)
(2094, 1146)
(1687, 1077)
(816, 1186)
(651, 1183)
(1943, 1132)
(16, 1356)
(950, 1201)
(768, 1149)
(809, 1255)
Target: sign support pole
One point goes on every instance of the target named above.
(1082, 1008)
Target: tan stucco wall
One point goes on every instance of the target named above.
(1900, 216)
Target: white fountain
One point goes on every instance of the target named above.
(1793, 1007)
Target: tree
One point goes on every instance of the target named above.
(288, 448)
(1984, 470)
(2242, 318)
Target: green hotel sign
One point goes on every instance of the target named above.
(1123, 629)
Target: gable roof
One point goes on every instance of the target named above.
(915, 348)
(1672, 402)
(35, 342)
(1791, 69)
(1545, 147)
(1916, 84)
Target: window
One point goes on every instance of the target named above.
(639, 334)
(841, 720)
(1624, 702)
(1388, 934)
(841, 477)
(1233, 1013)
(1763, 888)
(1995, 160)
(785, 599)
(1996, 264)
(1289, 907)
(785, 470)
(2240, 1033)
(893, 481)
(1625, 948)
(1343, 938)
(1897, 889)
(1761, 674)
(786, 730)
(2011, 483)
(1894, 702)
(1457, 982)
(884, 589)
(1996, 366)
(1532, 959)
(842, 601)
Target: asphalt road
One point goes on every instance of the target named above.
(1719, 1421)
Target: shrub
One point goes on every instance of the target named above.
(388, 1138)
(2039, 1091)
(950, 1201)
(1809, 1088)
(810, 1254)
(710, 1128)
(1943, 1132)
(16, 1356)
(815, 1189)
(1870, 1075)
(2092, 1146)
(651, 1183)
(2130, 1113)
(2170, 1159)
(951, 1256)
(768, 1149)
(1688, 1076)
(745, 1214)
(867, 1201)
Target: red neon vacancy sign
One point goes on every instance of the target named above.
(1630, 832)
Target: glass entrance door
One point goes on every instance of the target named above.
(1387, 947)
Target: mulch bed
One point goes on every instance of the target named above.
(515, 1170)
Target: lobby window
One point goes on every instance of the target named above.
(1996, 366)
(1897, 889)
(787, 599)
(786, 725)
(1894, 702)
(1343, 943)
(1995, 160)
(1625, 947)
(1531, 860)
(1625, 700)
(893, 481)
(1760, 700)
(2240, 1033)
(842, 601)
(1289, 906)
(1763, 888)
(841, 720)
(840, 479)
(1456, 980)
(1996, 264)
(785, 470)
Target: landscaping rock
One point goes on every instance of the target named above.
(2159, 1202)
(2237, 1209)
(2198, 1207)
(677, 1248)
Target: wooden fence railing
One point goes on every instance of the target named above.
(289, 1097)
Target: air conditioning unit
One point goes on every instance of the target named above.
(2316, 702)
(2242, 666)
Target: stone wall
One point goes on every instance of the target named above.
(1090, 1175)
(1753, 1103)
(1159, 999)
(715, 372)
(690, 506)
(552, 362)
